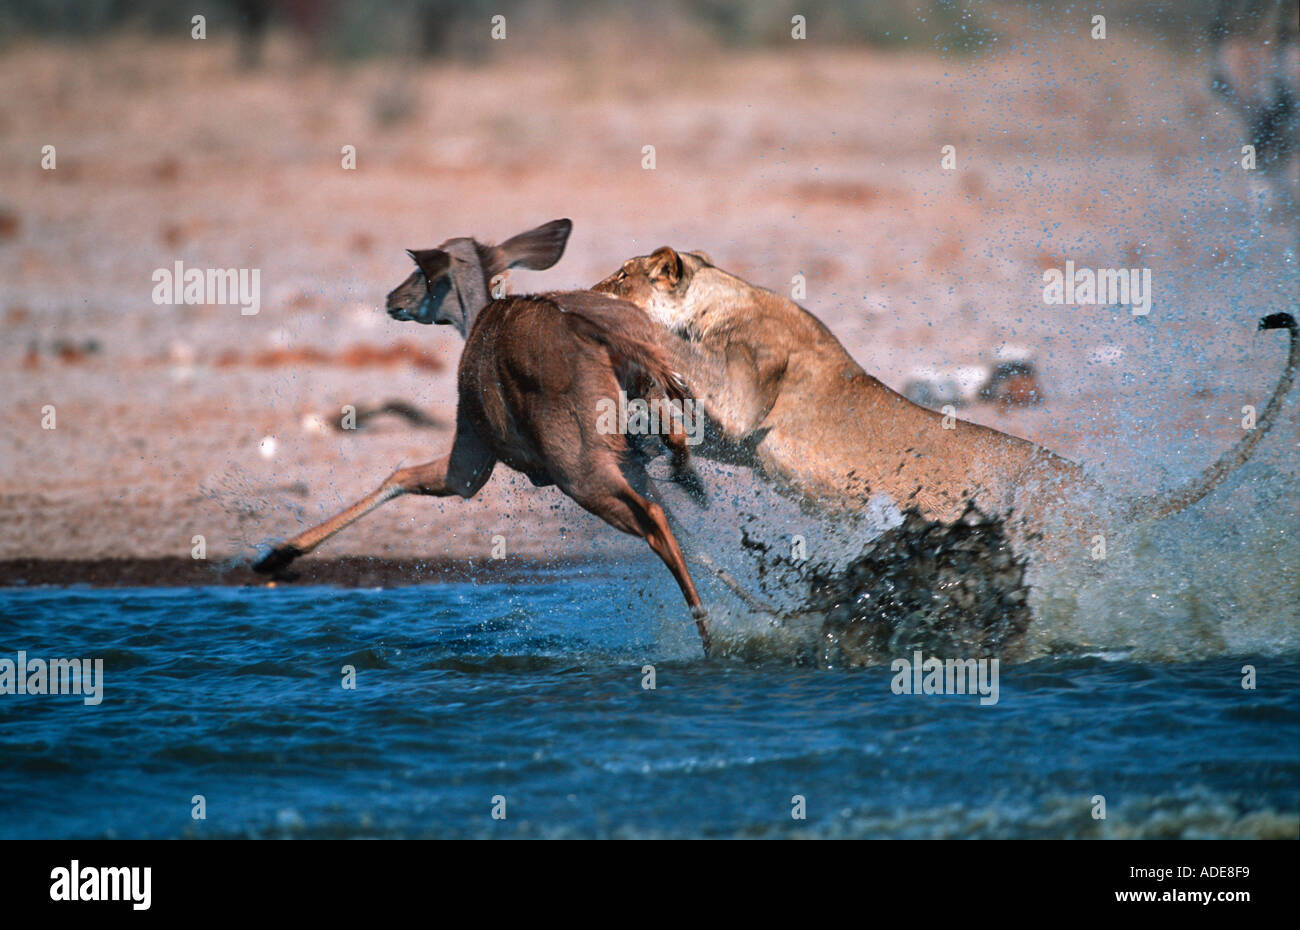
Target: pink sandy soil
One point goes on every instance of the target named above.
(775, 163)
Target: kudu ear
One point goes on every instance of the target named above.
(665, 266)
(537, 249)
(433, 262)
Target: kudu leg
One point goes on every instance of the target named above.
(661, 539)
(684, 473)
(429, 478)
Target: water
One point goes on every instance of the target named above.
(534, 692)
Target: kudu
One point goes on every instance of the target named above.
(531, 378)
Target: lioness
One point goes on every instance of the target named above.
(783, 396)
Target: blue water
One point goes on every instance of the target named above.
(534, 692)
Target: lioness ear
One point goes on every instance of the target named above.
(665, 266)
(703, 256)
(433, 262)
(537, 249)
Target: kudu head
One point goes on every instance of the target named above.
(453, 282)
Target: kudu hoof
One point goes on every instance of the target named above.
(701, 616)
(277, 560)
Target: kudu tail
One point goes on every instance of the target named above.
(1152, 508)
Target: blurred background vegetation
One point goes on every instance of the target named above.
(351, 29)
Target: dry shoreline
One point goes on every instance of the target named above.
(346, 572)
(133, 429)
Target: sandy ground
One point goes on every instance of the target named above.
(816, 162)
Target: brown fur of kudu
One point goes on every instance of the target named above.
(788, 400)
(530, 378)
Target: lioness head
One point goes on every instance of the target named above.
(669, 286)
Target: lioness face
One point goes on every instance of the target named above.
(660, 284)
